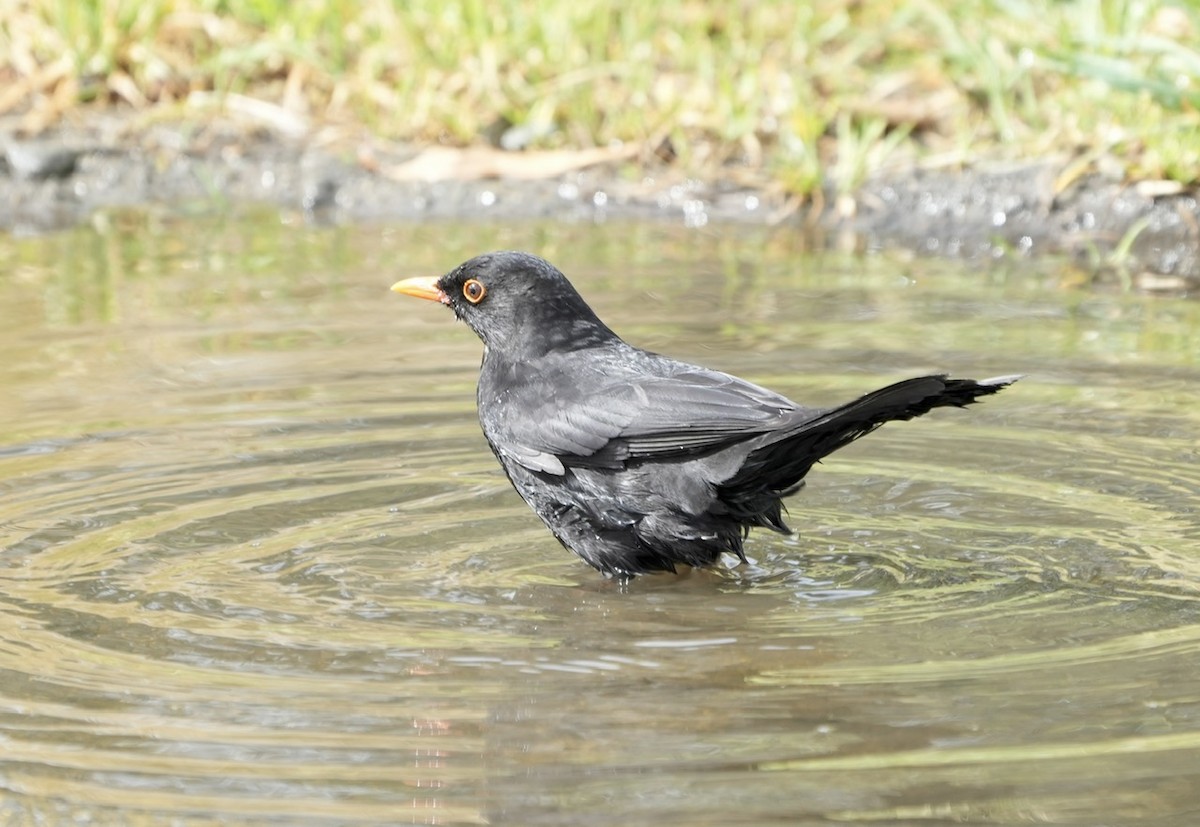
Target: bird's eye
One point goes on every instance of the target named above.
(474, 291)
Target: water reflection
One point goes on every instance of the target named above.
(256, 563)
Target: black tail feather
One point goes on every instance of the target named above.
(770, 471)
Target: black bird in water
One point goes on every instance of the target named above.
(636, 462)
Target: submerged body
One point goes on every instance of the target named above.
(637, 462)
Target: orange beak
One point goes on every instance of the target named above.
(422, 287)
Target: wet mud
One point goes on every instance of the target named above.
(1146, 234)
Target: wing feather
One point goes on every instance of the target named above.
(610, 421)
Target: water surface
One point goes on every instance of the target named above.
(258, 566)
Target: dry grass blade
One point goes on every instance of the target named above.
(474, 163)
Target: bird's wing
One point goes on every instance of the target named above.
(682, 414)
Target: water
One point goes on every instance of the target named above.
(257, 565)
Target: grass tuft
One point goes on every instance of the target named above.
(811, 94)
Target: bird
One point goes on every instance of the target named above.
(637, 462)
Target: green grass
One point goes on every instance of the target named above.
(803, 94)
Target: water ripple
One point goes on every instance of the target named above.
(250, 573)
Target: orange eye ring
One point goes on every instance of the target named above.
(473, 291)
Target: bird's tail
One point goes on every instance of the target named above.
(778, 467)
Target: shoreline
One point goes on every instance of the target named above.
(1145, 236)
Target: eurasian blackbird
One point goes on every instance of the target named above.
(636, 462)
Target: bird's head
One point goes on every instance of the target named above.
(517, 303)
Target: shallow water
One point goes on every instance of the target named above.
(258, 566)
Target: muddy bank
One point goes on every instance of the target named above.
(1131, 232)
(1139, 233)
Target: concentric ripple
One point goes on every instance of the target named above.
(257, 564)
